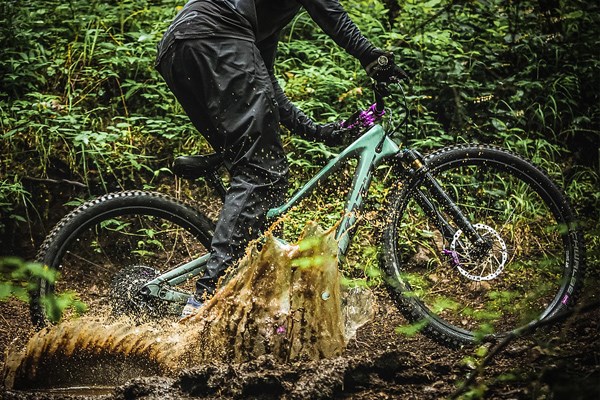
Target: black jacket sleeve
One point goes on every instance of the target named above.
(290, 116)
(335, 22)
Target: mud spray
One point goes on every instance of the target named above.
(283, 300)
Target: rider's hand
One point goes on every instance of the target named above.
(332, 134)
(382, 68)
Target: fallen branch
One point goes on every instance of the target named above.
(54, 181)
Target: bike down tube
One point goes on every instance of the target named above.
(370, 150)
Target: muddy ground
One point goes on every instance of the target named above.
(562, 362)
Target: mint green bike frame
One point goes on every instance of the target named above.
(371, 149)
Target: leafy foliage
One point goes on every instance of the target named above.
(80, 99)
(19, 278)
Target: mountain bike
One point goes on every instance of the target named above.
(477, 241)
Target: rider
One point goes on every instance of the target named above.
(217, 58)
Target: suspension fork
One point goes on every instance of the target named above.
(414, 165)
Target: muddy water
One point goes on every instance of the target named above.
(283, 301)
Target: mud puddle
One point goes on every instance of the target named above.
(284, 304)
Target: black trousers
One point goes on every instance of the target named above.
(225, 89)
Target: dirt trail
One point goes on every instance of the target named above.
(561, 362)
(378, 364)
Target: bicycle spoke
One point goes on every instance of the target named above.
(462, 289)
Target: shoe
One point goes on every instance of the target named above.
(191, 307)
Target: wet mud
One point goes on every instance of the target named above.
(284, 302)
(380, 364)
(172, 361)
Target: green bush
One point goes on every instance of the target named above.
(80, 99)
(18, 278)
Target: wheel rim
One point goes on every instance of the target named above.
(93, 252)
(532, 245)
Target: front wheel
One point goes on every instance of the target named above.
(531, 269)
(108, 248)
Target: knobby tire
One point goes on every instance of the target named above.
(137, 231)
(522, 212)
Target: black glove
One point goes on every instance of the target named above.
(381, 67)
(332, 134)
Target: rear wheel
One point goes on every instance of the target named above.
(107, 248)
(533, 265)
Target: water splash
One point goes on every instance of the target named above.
(84, 351)
(283, 300)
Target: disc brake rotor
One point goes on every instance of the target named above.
(475, 267)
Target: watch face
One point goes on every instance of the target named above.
(382, 60)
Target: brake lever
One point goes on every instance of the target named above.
(365, 119)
